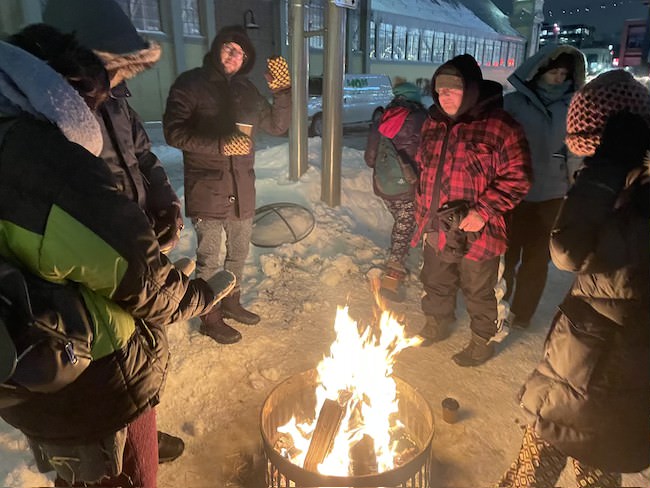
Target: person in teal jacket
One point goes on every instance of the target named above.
(64, 220)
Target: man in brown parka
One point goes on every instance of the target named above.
(204, 106)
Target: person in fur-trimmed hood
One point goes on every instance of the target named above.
(544, 86)
(204, 107)
(102, 26)
(474, 167)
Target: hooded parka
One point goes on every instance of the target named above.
(63, 219)
(542, 114)
(203, 106)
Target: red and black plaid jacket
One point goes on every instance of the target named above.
(486, 161)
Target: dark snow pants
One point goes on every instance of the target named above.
(477, 280)
(539, 465)
(403, 212)
(528, 235)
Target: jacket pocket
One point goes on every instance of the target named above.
(577, 342)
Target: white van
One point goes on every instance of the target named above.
(365, 97)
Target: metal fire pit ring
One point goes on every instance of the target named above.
(295, 396)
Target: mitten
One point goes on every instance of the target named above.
(277, 76)
(167, 226)
(236, 144)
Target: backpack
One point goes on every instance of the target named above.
(392, 175)
(46, 332)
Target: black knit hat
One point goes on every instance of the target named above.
(101, 25)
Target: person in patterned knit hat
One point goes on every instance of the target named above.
(613, 91)
(588, 399)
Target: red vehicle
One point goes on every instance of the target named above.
(634, 44)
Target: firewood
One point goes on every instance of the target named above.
(327, 425)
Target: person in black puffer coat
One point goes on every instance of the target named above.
(589, 397)
(103, 26)
(203, 109)
(64, 220)
(400, 126)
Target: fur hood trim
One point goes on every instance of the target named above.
(125, 66)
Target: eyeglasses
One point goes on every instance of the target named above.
(233, 52)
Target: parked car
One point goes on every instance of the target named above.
(364, 98)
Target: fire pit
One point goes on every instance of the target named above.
(295, 397)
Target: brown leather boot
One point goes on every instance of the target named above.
(231, 308)
(213, 326)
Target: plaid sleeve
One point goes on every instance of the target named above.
(513, 171)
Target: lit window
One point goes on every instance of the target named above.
(438, 47)
(385, 41)
(355, 30)
(145, 14)
(371, 39)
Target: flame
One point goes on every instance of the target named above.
(359, 367)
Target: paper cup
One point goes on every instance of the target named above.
(245, 128)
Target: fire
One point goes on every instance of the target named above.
(357, 375)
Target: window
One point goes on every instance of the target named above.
(496, 54)
(412, 44)
(385, 41)
(399, 42)
(478, 50)
(460, 44)
(315, 21)
(438, 47)
(470, 48)
(487, 52)
(372, 40)
(426, 45)
(450, 46)
(355, 30)
(145, 14)
(512, 54)
(191, 19)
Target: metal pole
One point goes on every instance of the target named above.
(299, 74)
(333, 105)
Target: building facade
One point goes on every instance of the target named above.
(408, 39)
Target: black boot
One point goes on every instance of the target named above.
(169, 447)
(475, 353)
(435, 330)
(231, 308)
(212, 325)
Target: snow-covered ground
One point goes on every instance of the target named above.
(214, 392)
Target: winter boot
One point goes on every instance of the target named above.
(212, 325)
(392, 283)
(169, 447)
(475, 353)
(231, 308)
(435, 329)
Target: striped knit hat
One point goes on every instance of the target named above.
(611, 92)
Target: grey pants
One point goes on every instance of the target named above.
(238, 238)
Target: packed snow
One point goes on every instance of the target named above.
(214, 392)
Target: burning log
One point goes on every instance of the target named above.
(363, 459)
(327, 425)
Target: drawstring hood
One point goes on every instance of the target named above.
(236, 34)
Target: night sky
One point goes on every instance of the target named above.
(606, 16)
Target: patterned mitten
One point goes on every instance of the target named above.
(278, 76)
(236, 144)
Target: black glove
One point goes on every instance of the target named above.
(450, 216)
(168, 226)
